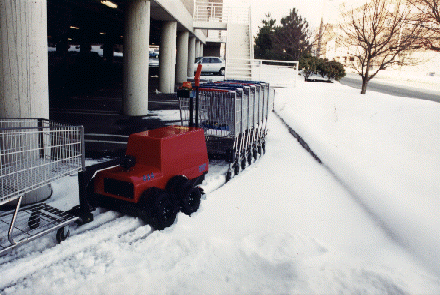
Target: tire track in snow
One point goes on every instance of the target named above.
(116, 229)
(355, 196)
(107, 226)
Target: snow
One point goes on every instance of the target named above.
(364, 222)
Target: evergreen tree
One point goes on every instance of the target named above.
(287, 41)
(291, 39)
(263, 40)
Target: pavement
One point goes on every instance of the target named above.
(99, 112)
(384, 86)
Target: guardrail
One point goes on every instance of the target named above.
(277, 73)
(217, 12)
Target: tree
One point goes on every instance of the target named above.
(291, 39)
(263, 40)
(429, 14)
(380, 32)
(287, 41)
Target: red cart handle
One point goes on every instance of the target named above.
(197, 76)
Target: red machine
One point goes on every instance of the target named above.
(157, 177)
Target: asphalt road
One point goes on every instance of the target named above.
(355, 81)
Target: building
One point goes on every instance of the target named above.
(27, 27)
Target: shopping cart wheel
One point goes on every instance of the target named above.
(228, 176)
(34, 219)
(62, 234)
(255, 154)
(236, 169)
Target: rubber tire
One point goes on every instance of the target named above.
(61, 235)
(176, 183)
(222, 72)
(190, 201)
(158, 208)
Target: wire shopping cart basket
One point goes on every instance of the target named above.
(34, 153)
(233, 115)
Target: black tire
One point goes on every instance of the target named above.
(222, 72)
(158, 208)
(190, 201)
(243, 164)
(62, 234)
(176, 184)
(34, 219)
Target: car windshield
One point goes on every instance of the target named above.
(198, 59)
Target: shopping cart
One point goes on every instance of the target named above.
(233, 115)
(34, 153)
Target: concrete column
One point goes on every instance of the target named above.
(197, 48)
(24, 86)
(191, 55)
(136, 43)
(167, 57)
(182, 57)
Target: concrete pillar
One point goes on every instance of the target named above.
(182, 57)
(24, 86)
(191, 55)
(167, 57)
(136, 43)
(198, 48)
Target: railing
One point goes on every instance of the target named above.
(276, 73)
(216, 12)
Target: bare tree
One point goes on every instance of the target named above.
(379, 32)
(428, 11)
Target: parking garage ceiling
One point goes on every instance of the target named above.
(91, 21)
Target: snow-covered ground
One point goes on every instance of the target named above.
(365, 222)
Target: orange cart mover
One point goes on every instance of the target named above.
(157, 177)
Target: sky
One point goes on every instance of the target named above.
(311, 10)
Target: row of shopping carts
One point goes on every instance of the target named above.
(233, 115)
(34, 153)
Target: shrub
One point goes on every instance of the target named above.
(312, 65)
